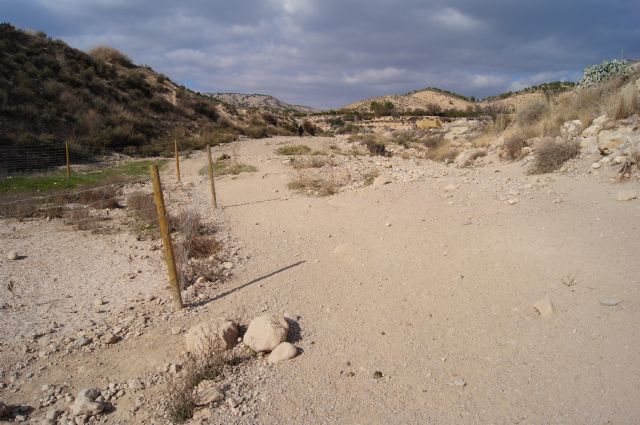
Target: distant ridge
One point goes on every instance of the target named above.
(260, 101)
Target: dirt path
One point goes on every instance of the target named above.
(432, 288)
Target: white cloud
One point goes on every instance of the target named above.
(483, 81)
(453, 19)
(370, 76)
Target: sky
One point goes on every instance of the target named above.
(327, 53)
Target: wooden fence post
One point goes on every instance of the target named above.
(66, 149)
(166, 237)
(177, 160)
(213, 183)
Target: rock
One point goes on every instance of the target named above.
(459, 383)
(596, 165)
(589, 144)
(135, 384)
(227, 265)
(53, 414)
(98, 302)
(544, 307)
(46, 421)
(609, 301)
(12, 256)
(20, 418)
(82, 341)
(86, 406)
(626, 195)
(213, 335)
(111, 338)
(175, 368)
(611, 140)
(90, 393)
(512, 201)
(207, 392)
(266, 332)
(4, 410)
(571, 129)
(464, 159)
(234, 402)
(451, 187)
(619, 159)
(284, 351)
(176, 331)
(201, 414)
(382, 180)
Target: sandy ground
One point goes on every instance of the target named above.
(432, 288)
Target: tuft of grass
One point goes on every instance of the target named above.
(316, 161)
(293, 150)
(143, 207)
(550, 155)
(226, 166)
(531, 112)
(314, 186)
(439, 149)
(180, 398)
(370, 177)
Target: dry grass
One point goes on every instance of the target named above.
(293, 150)
(187, 222)
(142, 205)
(370, 176)
(180, 398)
(513, 146)
(100, 197)
(624, 104)
(550, 155)
(531, 113)
(314, 186)
(316, 161)
(439, 149)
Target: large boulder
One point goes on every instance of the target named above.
(211, 336)
(266, 332)
(611, 140)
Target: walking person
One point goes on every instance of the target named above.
(300, 130)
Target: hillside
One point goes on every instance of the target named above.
(429, 100)
(259, 101)
(50, 93)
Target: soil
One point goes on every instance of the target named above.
(414, 299)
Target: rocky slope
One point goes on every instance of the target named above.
(259, 101)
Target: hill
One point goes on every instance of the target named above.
(51, 93)
(430, 100)
(259, 101)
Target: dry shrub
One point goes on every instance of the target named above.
(202, 246)
(32, 207)
(293, 150)
(433, 141)
(187, 222)
(513, 146)
(550, 155)
(315, 161)
(315, 186)
(100, 197)
(531, 112)
(111, 55)
(370, 177)
(440, 149)
(143, 207)
(180, 398)
(624, 103)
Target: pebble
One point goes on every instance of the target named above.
(596, 165)
(234, 402)
(12, 256)
(544, 307)
(81, 342)
(626, 195)
(609, 301)
(460, 383)
(227, 265)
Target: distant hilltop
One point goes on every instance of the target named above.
(259, 101)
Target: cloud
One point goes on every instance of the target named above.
(327, 53)
(453, 19)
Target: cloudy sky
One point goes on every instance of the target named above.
(326, 53)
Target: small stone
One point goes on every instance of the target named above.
(377, 374)
(596, 165)
(86, 406)
(626, 195)
(203, 413)
(211, 335)
(111, 338)
(284, 351)
(98, 302)
(12, 256)
(207, 392)
(459, 383)
(451, 187)
(83, 341)
(544, 307)
(176, 331)
(234, 402)
(387, 224)
(609, 301)
(175, 368)
(227, 265)
(20, 418)
(512, 201)
(53, 414)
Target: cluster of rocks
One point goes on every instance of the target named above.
(266, 335)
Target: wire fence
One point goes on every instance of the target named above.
(29, 159)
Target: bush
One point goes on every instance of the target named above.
(143, 207)
(111, 55)
(314, 186)
(513, 147)
(550, 155)
(531, 112)
(293, 150)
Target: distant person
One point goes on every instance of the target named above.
(300, 131)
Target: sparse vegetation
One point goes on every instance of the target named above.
(531, 112)
(293, 150)
(513, 146)
(314, 185)
(550, 155)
